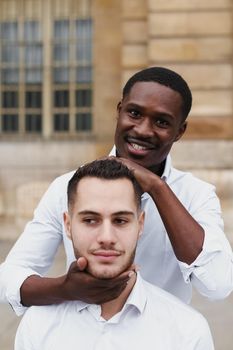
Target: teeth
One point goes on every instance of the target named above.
(138, 147)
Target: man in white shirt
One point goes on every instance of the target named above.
(183, 244)
(104, 222)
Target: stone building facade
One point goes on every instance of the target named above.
(63, 64)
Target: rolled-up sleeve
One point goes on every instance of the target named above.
(212, 271)
(34, 251)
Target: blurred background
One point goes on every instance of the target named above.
(62, 68)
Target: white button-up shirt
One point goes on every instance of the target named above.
(150, 319)
(211, 272)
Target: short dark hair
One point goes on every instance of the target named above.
(166, 77)
(107, 169)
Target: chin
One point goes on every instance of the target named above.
(104, 273)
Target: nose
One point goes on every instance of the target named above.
(144, 128)
(106, 235)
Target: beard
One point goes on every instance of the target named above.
(107, 271)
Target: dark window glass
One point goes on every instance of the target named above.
(33, 123)
(32, 31)
(61, 98)
(33, 76)
(83, 41)
(10, 122)
(10, 76)
(61, 122)
(10, 53)
(83, 122)
(61, 53)
(83, 29)
(83, 98)
(61, 29)
(61, 75)
(33, 55)
(10, 99)
(83, 53)
(33, 99)
(83, 75)
(9, 31)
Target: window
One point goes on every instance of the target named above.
(33, 99)
(83, 122)
(33, 123)
(83, 98)
(10, 76)
(21, 77)
(61, 122)
(31, 61)
(10, 122)
(10, 99)
(72, 75)
(61, 98)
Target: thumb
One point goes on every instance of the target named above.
(82, 263)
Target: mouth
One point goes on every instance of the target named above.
(139, 147)
(106, 255)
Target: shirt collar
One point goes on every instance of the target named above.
(137, 297)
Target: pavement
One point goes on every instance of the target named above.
(219, 314)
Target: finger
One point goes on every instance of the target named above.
(82, 263)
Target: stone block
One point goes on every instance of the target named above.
(203, 154)
(204, 76)
(134, 8)
(134, 56)
(190, 23)
(209, 128)
(169, 5)
(135, 31)
(190, 49)
(212, 103)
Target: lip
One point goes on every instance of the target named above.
(106, 255)
(138, 147)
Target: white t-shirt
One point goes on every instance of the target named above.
(211, 273)
(150, 319)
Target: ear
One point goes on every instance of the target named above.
(181, 131)
(67, 223)
(119, 105)
(141, 222)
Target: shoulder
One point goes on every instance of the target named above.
(188, 178)
(48, 315)
(63, 179)
(172, 308)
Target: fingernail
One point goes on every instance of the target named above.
(131, 273)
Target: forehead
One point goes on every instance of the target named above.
(100, 194)
(151, 91)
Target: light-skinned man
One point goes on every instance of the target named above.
(188, 247)
(104, 222)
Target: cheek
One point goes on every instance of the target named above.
(124, 122)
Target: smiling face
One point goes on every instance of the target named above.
(149, 122)
(104, 224)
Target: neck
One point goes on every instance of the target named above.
(158, 169)
(112, 307)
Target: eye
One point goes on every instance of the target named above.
(90, 221)
(120, 221)
(163, 123)
(134, 113)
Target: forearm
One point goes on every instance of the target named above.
(38, 290)
(185, 234)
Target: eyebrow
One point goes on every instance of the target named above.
(88, 212)
(91, 212)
